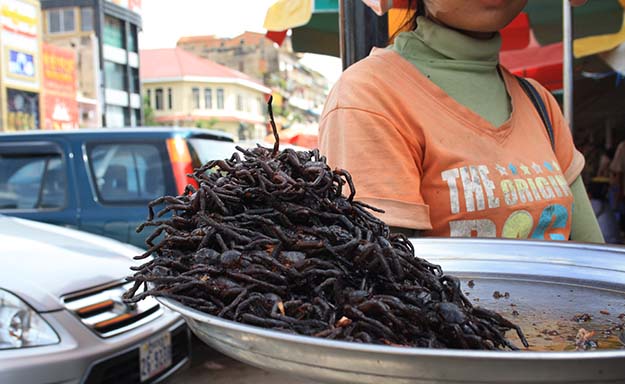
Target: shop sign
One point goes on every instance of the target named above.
(133, 5)
(59, 70)
(21, 64)
(23, 110)
(60, 112)
(19, 17)
(60, 108)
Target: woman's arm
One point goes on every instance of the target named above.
(584, 227)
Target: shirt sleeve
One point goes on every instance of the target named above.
(571, 160)
(384, 162)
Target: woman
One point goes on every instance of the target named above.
(445, 140)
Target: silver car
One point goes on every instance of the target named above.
(62, 319)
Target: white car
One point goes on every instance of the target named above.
(62, 318)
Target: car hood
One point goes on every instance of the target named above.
(42, 262)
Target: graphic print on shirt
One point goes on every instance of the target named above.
(538, 189)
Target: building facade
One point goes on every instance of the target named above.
(20, 65)
(301, 90)
(183, 89)
(251, 53)
(104, 37)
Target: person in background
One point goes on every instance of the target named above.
(447, 142)
(598, 191)
(617, 177)
(604, 162)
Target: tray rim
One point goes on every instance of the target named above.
(465, 354)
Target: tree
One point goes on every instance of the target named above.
(207, 124)
(148, 113)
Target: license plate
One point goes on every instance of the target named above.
(155, 356)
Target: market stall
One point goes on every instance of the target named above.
(273, 261)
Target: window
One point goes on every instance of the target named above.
(61, 20)
(127, 172)
(158, 96)
(135, 117)
(134, 81)
(170, 100)
(115, 116)
(86, 19)
(113, 32)
(208, 98)
(114, 76)
(132, 39)
(239, 103)
(149, 97)
(220, 98)
(54, 21)
(68, 20)
(196, 98)
(32, 182)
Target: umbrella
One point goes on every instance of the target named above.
(598, 17)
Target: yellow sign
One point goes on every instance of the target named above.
(19, 17)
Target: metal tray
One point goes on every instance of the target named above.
(546, 280)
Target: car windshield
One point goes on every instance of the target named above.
(205, 150)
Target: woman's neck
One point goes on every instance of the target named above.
(472, 34)
(457, 45)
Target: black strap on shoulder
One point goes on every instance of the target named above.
(539, 104)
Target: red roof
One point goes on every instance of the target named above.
(223, 119)
(176, 62)
(196, 39)
(210, 41)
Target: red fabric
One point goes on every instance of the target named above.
(516, 35)
(544, 64)
(304, 140)
(227, 119)
(276, 36)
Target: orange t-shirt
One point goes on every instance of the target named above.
(434, 165)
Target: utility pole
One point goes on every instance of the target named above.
(360, 30)
(567, 62)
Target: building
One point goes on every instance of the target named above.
(251, 53)
(103, 35)
(300, 90)
(184, 89)
(20, 53)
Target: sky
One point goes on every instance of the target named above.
(164, 21)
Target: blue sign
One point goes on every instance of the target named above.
(21, 64)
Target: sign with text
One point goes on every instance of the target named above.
(133, 5)
(19, 17)
(60, 112)
(59, 70)
(60, 108)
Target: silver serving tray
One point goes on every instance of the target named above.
(544, 278)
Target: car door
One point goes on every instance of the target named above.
(36, 181)
(123, 176)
